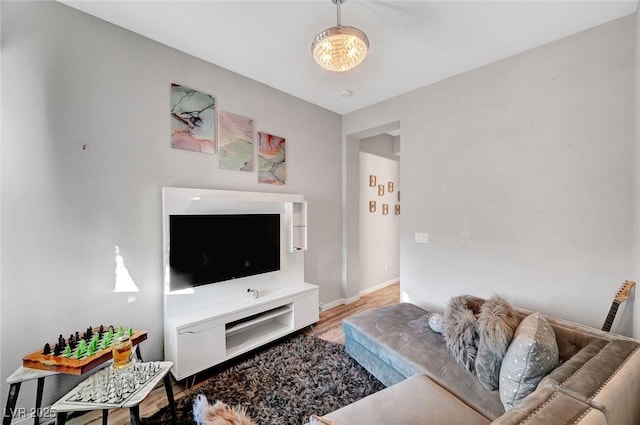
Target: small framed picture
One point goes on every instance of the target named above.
(397, 209)
(372, 206)
(398, 196)
(380, 190)
(390, 187)
(385, 209)
(372, 180)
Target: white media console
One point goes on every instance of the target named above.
(209, 324)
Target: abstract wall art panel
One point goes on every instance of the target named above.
(271, 159)
(235, 142)
(192, 120)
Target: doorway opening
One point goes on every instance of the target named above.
(373, 194)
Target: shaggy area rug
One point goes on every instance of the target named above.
(283, 384)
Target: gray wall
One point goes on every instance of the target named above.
(522, 174)
(636, 213)
(85, 152)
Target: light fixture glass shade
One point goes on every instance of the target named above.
(340, 48)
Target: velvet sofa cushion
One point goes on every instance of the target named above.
(415, 401)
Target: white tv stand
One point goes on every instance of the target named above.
(204, 338)
(217, 322)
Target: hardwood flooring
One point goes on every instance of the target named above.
(329, 328)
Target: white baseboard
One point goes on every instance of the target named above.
(327, 306)
(352, 299)
(380, 286)
(343, 301)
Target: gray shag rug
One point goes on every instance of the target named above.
(283, 384)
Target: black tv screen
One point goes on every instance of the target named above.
(213, 248)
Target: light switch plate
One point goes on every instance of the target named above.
(422, 237)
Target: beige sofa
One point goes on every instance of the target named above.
(596, 382)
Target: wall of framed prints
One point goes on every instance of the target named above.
(379, 221)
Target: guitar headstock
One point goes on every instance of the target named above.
(625, 291)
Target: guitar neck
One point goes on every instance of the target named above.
(611, 316)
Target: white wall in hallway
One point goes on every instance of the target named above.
(379, 234)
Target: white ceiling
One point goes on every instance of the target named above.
(413, 43)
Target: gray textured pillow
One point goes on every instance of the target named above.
(496, 324)
(533, 353)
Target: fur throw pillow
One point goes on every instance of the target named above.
(219, 413)
(459, 329)
(496, 324)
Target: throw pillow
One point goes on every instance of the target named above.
(496, 324)
(435, 322)
(533, 353)
(459, 329)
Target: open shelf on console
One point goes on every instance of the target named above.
(247, 323)
(253, 331)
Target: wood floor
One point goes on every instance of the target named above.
(329, 328)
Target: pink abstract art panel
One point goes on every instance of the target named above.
(271, 159)
(192, 120)
(235, 142)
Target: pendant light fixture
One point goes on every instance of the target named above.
(340, 48)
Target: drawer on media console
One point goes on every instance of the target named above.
(199, 347)
(306, 310)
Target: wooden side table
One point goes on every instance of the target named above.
(126, 388)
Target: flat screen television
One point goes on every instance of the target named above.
(212, 248)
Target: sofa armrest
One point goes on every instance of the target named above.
(620, 394)
(607, 378)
